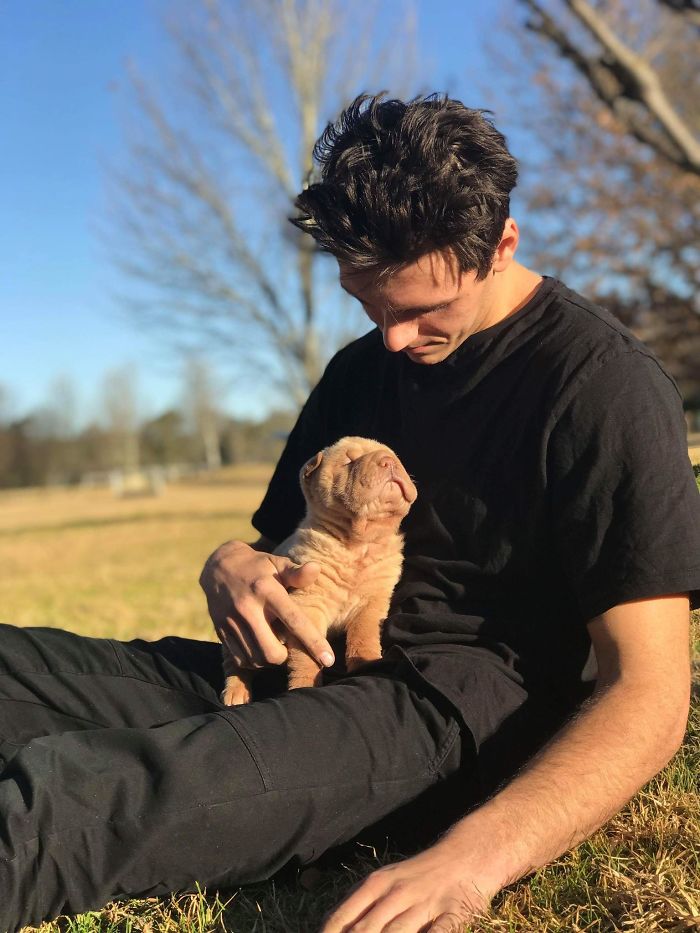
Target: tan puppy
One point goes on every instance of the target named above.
(357, 492)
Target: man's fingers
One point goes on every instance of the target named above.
(449, 923)
(269, 646)
(235, 654)
(237, 644)
(278, 604)
(401, 899)
(362, 899)
(297, 624)
(412, 920)
(253, 640)
(390, 915)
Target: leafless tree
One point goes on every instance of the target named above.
(6, 405)
(59, 413)
(121, 417)
(610, 97)
(198, 215)
(201, 408)
(54, 425)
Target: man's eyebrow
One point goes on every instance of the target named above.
(421, 309)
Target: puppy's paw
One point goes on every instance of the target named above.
(236, 692)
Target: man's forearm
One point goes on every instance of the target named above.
(620, 739)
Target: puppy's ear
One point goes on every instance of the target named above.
(313, 464)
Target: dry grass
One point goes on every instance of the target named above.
(86, 561)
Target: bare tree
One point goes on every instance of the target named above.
(612, 194)
(201, 407)
(60, 411)
(198, 221)
(55, 426)
(6, 405)
(121, 417)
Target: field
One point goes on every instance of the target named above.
(84, 560)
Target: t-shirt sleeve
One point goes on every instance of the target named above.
(623, 506)
(283, 506)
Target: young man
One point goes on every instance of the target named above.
(535, 671)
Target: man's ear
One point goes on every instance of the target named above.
(313, 464)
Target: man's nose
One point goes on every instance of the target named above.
(398, 334)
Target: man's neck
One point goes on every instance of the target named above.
(517, 286)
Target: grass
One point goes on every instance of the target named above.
(83, 560)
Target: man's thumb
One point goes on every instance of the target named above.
(300, 576)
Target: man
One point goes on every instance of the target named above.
(535, 670)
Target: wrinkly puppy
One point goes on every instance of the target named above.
(357, 492)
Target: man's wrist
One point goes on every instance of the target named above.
(483, 844)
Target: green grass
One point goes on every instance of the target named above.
(126, 568)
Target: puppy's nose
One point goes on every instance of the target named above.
(387, 462)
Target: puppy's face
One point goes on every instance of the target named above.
(357, 481)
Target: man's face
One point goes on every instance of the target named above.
(427, 309)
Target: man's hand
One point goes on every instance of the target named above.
(252, 611)
(433, 892)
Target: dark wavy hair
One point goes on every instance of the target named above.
(399, 180)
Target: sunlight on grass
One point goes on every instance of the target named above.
(87, 561)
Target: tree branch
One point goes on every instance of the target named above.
(619, 76)
(688, 9)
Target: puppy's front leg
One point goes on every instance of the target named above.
(363, 633)
(237, 683)
(236, 690)
(304, 671)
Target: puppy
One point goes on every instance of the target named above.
(357, 492)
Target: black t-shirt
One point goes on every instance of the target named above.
(550, 457)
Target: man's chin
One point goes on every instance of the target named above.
(431, 353)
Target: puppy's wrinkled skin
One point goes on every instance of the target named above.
(357, 492)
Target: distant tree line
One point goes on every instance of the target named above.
(48, 447)
(33, 456)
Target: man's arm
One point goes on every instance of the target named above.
(625, 734)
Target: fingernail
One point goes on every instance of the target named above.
(327, 659)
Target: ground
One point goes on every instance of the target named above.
(85, 560)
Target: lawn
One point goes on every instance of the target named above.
(84, 560)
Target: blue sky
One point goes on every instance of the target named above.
(62, 69)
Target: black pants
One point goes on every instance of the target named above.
(122, 775)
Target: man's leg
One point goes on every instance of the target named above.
(53, 681)
(219, 797)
